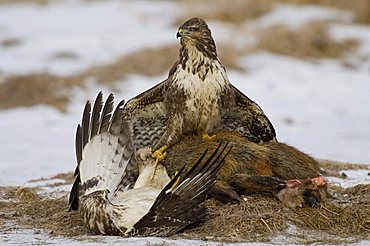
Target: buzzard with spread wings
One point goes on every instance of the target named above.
(196, 98)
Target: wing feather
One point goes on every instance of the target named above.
(148, 115)
(85, 124)
(106, 114)
(177, 207)
(103, 138)
(95, 117)
(73, 201)
(248, 119)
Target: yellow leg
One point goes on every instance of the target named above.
(205, 136)
(159, 155)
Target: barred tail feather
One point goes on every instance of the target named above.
(104, 150)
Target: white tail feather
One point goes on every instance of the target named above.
(102, 163)
(108, 150)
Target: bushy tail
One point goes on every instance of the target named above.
(104, 150)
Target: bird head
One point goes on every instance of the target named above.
(195, 29)
(195, 32)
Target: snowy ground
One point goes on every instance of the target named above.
(319, 106)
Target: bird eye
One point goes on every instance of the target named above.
(191, 29)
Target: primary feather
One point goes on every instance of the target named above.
(157, 205)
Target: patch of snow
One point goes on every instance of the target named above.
(360, 58)
(39, 141)
(354, 177)
(37, 237)
(324, 103)
(297, 16)
(93, 33)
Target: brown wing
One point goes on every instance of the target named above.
(179, 206)
(147, 114)
(248, 119)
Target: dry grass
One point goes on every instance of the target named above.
(233, 11)
(334, 168)
(46, 89)
(359, 8)
(34, 89)
(260, 218)
(340, 220)
(10, 42)
(237, 11)
(32, 211)
(41, 2)
(310, 41)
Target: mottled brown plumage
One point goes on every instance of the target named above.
(197, 97)
(107, 166)
(255, 168)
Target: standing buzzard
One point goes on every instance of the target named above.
(156, 205)
(197, 97)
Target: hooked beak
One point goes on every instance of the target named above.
(179, 32)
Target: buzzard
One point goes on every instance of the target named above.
(107, 161)
(196, 98)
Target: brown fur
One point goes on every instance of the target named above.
(253, 168)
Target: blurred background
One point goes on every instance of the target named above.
(306, 63)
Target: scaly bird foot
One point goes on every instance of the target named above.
(205, 136)
(159, 155)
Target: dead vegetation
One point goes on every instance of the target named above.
(40, 2)
(45, 89)
(234, 11)
(33, 89)
(10, 42)
(334, 168)
(237, 11)
(342, 219)
(260, 218)
(359, 8)
(309, 41)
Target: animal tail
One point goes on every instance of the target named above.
(104, 150)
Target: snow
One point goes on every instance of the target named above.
(297, 16)
(319, 106)
(96, 32)
(326, 102)
(30, 237)
(42, 143)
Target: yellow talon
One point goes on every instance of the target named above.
(205, 136)
(159, 155)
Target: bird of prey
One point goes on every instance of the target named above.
(196, 98)
(156, 205)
